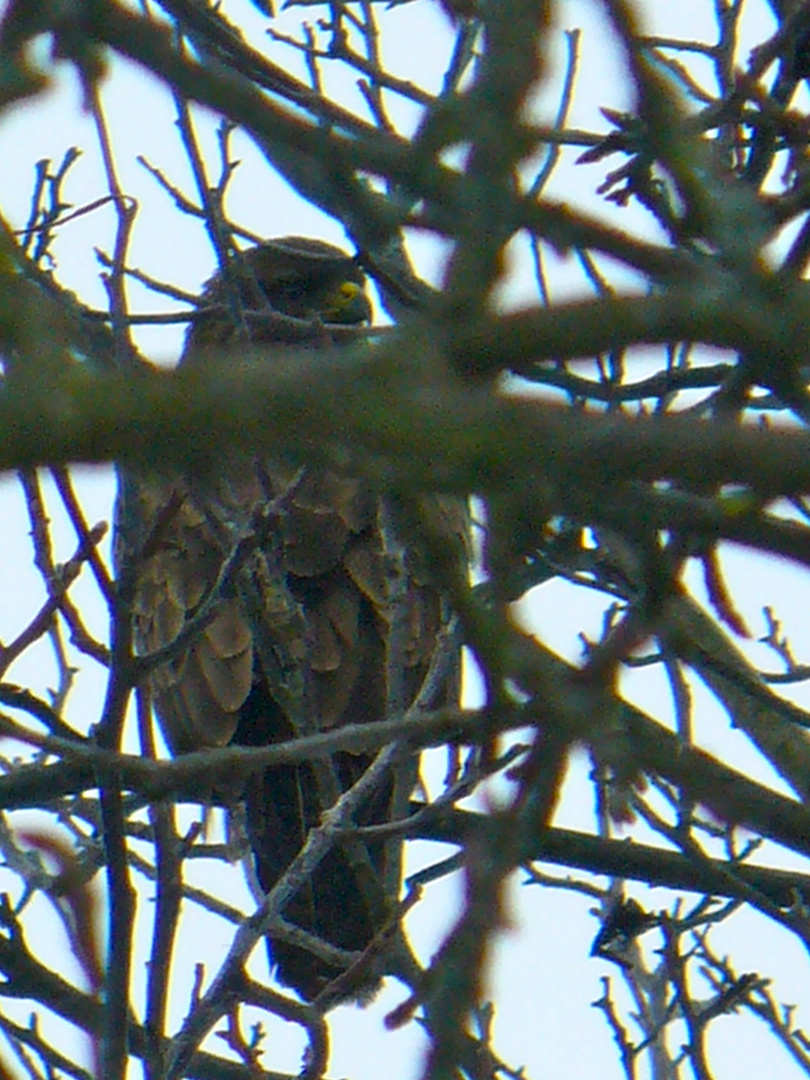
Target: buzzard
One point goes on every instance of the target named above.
(324, 619)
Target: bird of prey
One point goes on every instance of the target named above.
(310, 613)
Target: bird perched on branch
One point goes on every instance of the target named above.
(298, 610)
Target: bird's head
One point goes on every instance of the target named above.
(308, 278)
(294, 277)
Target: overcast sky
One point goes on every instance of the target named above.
(542, 980)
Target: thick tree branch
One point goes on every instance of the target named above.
(400, 422)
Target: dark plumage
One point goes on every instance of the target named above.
(301, 643)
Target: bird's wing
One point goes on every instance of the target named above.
(307, 608)
(200, 688)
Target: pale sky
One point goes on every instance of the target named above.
(542, 978)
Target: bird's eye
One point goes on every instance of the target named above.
(350, 289)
